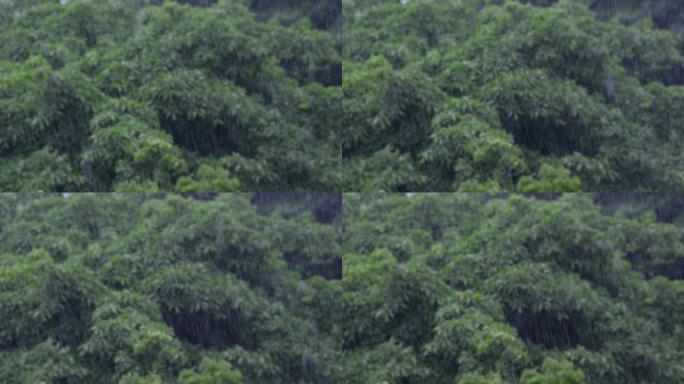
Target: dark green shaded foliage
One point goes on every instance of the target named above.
(140, 95)
(135, 288)
(527, 96)
(477, 288)
(323, 14)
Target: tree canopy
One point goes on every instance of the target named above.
(325, 288)
(145, 95)
(248, 95)
(504, 95)
(151, 289)
(475, 288)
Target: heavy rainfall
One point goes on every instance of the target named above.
(284, 192)
(513, 289)
(204, 288)
(187, 96)
(161, 288)
(519, 96)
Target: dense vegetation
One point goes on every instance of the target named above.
(484, 289)
(250, 289)
(193, 95)
(504, 95)
(152, 289)
(437, 95)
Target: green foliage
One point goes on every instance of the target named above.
(42, 299)
(476, 288)
(42, 171)
(529, 96)
(470, 378)
(45, 362)
(210, 372)
(550, 180)
(124, 147)
(157, 288)
(439, 288)
(553, 371)
(120, 95)
(43, 107)
(209, 180)
(322, 13)
(136, 379)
